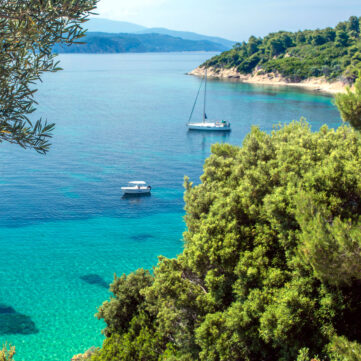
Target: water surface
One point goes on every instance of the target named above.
(64, 228)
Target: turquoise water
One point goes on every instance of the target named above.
(64, 228)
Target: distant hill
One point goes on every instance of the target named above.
(188, 35)
(98, 42)
(112, 26)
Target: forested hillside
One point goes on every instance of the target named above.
(331, 53)
(136, 43)
(97, 25)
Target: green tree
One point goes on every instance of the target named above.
(343, 349)
(270, 267)
(342, 26)
(28, 31)
(331, 246)
(341, 38)
(300, 37)
(318, 39)
(329, 34)
(278, 44)
(119, 311)
(237, 46)
(354, 25)
(253, 45)
(349, 105)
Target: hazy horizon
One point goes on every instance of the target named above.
(230, 19)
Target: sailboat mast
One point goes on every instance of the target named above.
(205, 93)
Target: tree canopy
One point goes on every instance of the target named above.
(349, 105)
(29, 29)
(331, 53)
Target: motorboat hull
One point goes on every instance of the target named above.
(131, 190)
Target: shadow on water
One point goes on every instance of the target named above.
(13, 322)
(6, 309)
(94, 279)
(136, 195)
(134, 199)
(141, 237)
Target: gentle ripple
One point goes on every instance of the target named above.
(64, 228)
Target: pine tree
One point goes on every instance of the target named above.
(349, 105)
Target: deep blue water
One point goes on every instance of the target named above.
(64, 228)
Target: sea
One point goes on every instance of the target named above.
(66, 230)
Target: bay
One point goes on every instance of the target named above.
(64, 227)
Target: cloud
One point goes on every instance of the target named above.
(122, 8)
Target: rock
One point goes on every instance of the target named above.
(6, 309)
(94, 279)
(258, 76)
(13, 322)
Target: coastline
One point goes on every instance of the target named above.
(313, 84)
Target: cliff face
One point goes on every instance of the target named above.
(260, 77)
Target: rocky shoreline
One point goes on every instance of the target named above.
(258, 77)
(84, 356)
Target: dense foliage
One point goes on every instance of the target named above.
(137, 43)
(28, 31)
(349, 105)
(331, 52)
(271, 261)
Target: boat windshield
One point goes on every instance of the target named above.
(137, 183)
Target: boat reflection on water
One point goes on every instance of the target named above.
(206, 139)
(135, 196)
(135, 199)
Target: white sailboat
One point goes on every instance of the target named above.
(213, 125)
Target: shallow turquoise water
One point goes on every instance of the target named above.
(64, 228)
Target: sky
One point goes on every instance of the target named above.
(231, 19)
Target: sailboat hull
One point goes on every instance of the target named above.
(210, 126)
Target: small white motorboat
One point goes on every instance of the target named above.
(137, 187)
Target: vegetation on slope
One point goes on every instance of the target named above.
(189, 35)
(137, 43)
(349, 105)
(271, 262)
(115, 27)
(331, 53)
